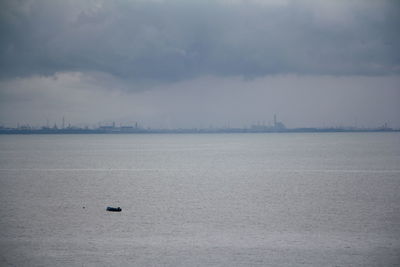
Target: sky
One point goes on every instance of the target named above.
(200, 63)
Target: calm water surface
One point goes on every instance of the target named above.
(200, 200)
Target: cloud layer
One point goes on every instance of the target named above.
(173, 40)
(196, 63)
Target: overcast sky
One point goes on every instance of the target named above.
(177, 63)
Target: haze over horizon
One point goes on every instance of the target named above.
(174, 63)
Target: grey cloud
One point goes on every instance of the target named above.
(175, 40)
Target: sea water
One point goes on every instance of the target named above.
(310, 199)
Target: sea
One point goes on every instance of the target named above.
(267, 199)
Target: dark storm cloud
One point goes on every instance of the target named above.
(177, 40)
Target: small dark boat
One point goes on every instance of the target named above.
(114, 209)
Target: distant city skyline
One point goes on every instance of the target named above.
(262, 126)
(192, 64)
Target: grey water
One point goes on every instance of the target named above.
(323, 199)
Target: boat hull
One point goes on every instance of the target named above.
(114, 209)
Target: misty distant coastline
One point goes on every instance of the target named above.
(138, 130)
(276, 127)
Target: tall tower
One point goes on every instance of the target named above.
(274, 120)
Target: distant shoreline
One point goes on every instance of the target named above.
(6, 131)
